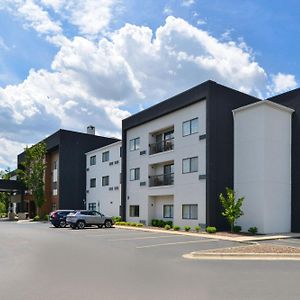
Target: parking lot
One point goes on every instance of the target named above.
(41, 262)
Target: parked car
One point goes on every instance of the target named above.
(82, 218)
(58, 217)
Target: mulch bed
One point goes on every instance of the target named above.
(259, 248)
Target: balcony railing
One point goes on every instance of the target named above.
(162, 146)
(159, 180)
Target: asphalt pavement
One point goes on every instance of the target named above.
(38, 261)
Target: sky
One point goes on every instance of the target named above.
(73, 63)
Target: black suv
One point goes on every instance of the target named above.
(58, 217)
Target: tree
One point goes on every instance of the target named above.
(4, 196)
(232, 209)
(32, 173)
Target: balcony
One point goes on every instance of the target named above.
(160, 180)
(165, 145)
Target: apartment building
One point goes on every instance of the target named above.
(177, 157)
(103, 175)
(65, 170)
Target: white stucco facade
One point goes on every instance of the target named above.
(262, 165)
(178, 188)
(104, 195)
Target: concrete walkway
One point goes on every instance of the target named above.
(240, 239)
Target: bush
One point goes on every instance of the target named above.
(139, 225)
(132, 224)
(253, 230)
(127, 223)
(187, 228)
(237, 229)
(36, 218)
(167, 227)
(154, 222)
(121, 223)
(117, 219)
(211, 229)
(46, 218)
(197, 228)
(176, 227)
(170, 223)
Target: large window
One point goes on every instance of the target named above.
(168, 211)
(93, 182)
(190, 165)
(92, 206)
(105, 156)
(135, 174)
(105, 180)
(134, 211)
(190, 211)
(93, 160)
(134, 144)
(190, 127)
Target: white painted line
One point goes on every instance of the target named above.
(116, 234)
(144, 238)
(175, 243)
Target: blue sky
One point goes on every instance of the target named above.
(68, 64)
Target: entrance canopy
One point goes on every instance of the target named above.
(11, 186)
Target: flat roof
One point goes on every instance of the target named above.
(104, 147)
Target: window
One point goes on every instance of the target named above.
(135, 174)
(190, 127)
(92, 206)
(134, 144)
(190, 165)
(168, 211)
(93, 160)
(190, 211)
(105, 156)
(55, 165)
(105, 180)
(93, 182)
(134, 211)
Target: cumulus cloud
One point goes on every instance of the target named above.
(282, 83)
(100, 81)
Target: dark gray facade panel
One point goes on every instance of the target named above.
(220, 147)
(292, 99)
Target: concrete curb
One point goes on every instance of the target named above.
(242, 256)
(239, 239)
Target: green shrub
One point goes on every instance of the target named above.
(132, 224)
(211, 229)
(187, 228)
(237, 229)
(139, 225)
(46, 218)
(197, 228)
(253, 230)
(117, 219)
(121, 223)
(36, 218)
(161, 223)
(176, 227)
(170, 223)
(167, 227)
(127, 223)
(154, 223)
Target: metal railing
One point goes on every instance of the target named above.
(162, 146)
(159, 180)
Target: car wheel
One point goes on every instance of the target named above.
(100, 225)
(108, 224)
(62, 223)
(80, 225)
(56, 226)
(73, 226)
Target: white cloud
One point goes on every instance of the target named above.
(3, 44)
(99, 81)
(282, 83)
(168, 11)
(187, 3)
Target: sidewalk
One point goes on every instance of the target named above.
(240, 239)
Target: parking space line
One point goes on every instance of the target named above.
(175, 243)
(144, 238)
(115, 234)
